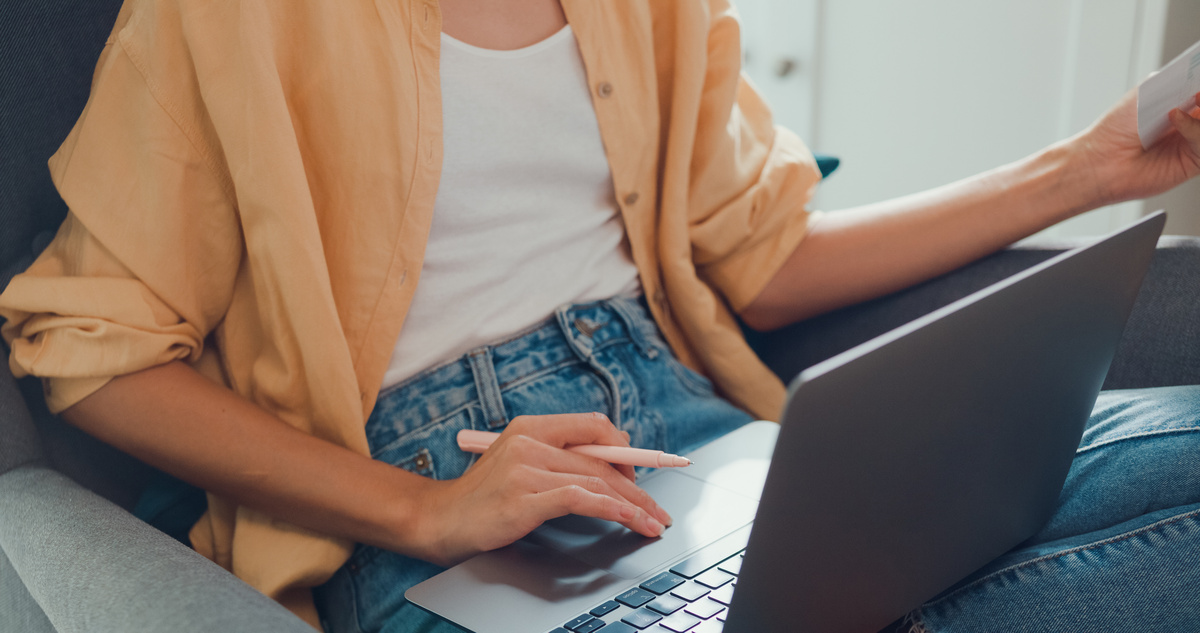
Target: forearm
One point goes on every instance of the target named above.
(859, 254)
(173, 418)
(866, 252)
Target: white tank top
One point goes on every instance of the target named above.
(525, 218)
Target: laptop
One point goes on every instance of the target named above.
(900, 467)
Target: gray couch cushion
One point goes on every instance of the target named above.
(93, 567)
(18, 610)
(1161, 344)
(97, 466)
(20, 441)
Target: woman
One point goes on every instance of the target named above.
(256, 188)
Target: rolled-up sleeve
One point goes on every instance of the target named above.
(750, 180)
(142, 269)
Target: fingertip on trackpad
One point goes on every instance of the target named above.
(703, 514)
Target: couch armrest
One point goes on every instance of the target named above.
(18, 610)
(20, 444)
(1161, 344)
(92, 566)
(1160, 347)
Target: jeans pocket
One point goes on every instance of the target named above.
(432, 449)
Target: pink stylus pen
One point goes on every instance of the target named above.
(479, 441)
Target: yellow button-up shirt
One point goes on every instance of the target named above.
(251, 186)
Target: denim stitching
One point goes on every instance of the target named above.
(549, 369)
(407, 436)
(626, 312)
(458, 359)
(586, 352)
(355, 603)
(1074, 550)
(615, 341)
(487, 390)
(1118, 438)
(912, 623)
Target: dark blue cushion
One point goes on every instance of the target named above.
(827, 164)
(48, 50)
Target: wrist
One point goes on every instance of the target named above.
(1062, 182)
(1105, 161)
(427, 523)
(406, 521)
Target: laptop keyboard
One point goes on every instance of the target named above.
(692, 597)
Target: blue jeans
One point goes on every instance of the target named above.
(1122, 552)
(606, 356)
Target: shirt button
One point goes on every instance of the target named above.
(604, 89)
(631, 199)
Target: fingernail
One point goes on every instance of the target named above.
(656, 528)
(664, 517)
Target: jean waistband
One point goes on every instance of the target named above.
(571, 334)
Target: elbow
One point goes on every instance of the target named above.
(762, 318)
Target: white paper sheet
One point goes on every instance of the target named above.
(1175, 86)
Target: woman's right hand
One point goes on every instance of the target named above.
(526, 478)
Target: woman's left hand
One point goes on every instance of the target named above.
(1121, 170)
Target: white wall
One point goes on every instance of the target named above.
(917, 93)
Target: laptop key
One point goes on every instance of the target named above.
(607, 607)
(641, 618)
(705, 609)
(590, 626)
(560, 630)
(709, 626)
(714, 578)
(619, 627)
(724, 595)
(577, 622)
(680, 622)
(635, 597)
(662, 583)
(667, 604)
(691, 591)
(707, 558)
(733, 565)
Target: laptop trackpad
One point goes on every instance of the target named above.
(702, 513)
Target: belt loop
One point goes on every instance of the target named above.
(487, 387)
(623, 306)
(582, 346)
